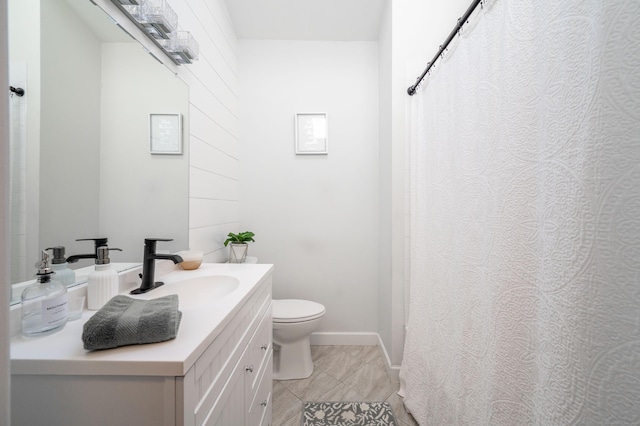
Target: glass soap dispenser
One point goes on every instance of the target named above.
(59, 265)
(44, 303)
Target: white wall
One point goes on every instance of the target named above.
(411, 31)
(385, 323)
(315, 216)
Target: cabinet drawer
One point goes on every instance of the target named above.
(260, 410)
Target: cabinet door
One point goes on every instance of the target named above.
(229, 408)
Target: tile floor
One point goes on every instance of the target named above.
(341, 373)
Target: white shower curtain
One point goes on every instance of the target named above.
(525, 220)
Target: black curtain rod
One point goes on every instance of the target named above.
(461, 21)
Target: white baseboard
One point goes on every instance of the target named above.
(393, 371)
(344, 339)
(359, 339)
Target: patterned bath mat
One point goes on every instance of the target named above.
(348, 414)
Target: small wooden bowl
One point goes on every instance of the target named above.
(191, 259)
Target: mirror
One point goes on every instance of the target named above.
(80, 137)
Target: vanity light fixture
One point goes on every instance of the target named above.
(159, 22)
(182, 47)
(158, 18)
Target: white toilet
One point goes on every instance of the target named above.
(293, 322)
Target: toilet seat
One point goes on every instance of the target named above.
(295, 310)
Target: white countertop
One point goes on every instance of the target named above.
(63, 352)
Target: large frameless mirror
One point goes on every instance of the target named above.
(80, 160)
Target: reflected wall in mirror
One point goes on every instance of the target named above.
(81, 166)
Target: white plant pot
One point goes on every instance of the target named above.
(238, 252)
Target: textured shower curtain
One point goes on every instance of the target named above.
(525, 220)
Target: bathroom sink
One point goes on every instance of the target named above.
(196, 290)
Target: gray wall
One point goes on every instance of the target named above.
(141, 195)
(69, 129)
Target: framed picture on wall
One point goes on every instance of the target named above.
(312, 133)
(165, 133)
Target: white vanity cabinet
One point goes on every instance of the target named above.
(228, 382)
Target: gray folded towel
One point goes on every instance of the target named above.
(126, 321)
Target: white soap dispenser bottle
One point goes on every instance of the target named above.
(102, 284)
(44, 303)
(59, 265)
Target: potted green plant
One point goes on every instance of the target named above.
(239, 245)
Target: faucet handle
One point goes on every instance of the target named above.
(151, 243)
(97, 242)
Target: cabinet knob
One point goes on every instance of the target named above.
(264, 347)
(249, 368)
(264, 403)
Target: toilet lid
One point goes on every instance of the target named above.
(295, 310)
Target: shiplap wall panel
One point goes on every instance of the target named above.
(207, 157)
(209, 185)
(217, 49)
(207, 130)
(213, 237)
(202, 212)
(225, 63)
(205, 100)
(213, 125)
(220, 30)
(206, 73)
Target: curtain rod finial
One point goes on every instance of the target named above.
(17, 90)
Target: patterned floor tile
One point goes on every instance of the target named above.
(285, 404)
(338, 365)
(364, 353)
(341, 373)
(342, 392)
(311, 388)
(372, 382)
(400, 411)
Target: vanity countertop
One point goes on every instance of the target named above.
(62, 353)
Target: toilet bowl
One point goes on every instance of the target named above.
(293, 322)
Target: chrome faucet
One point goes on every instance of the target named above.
(148, 265)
